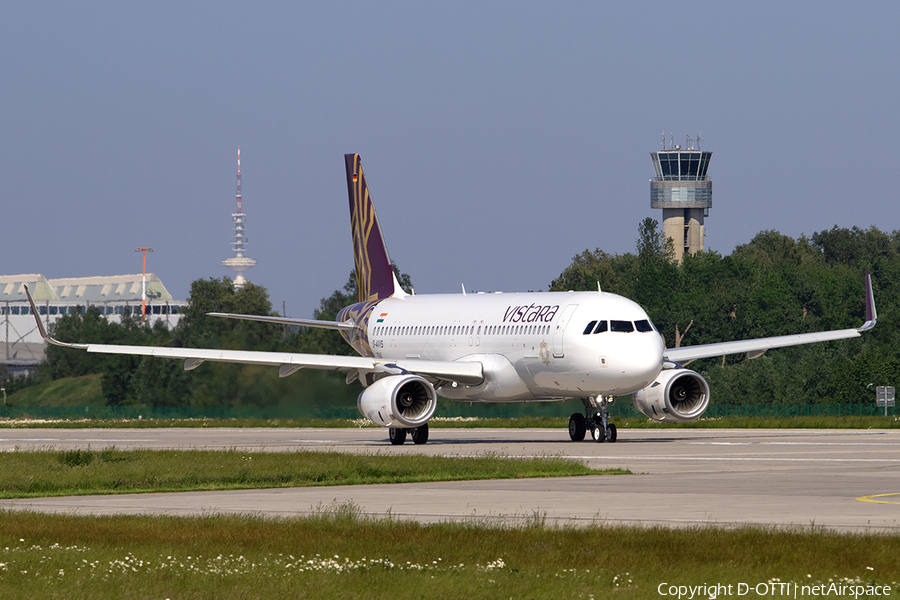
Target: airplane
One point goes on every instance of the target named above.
(490, 347)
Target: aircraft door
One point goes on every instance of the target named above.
(560, 329)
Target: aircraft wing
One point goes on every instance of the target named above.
(287, 321)
(466, 372)
(756, 348)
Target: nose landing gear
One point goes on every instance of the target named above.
(595, 418)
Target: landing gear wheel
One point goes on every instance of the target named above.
(598, 433)
(611, 434)
(420, 434)
(397, 435)
(577, 427)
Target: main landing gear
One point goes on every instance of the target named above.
(595, 418)
(398, 435)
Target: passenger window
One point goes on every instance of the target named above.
(601, 327)
(589, 328)
(643, 326)
(621, 326)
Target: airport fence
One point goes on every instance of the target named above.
(446, 409)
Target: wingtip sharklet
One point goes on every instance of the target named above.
(47, 337)
(871, 313)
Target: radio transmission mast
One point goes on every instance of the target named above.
(239, 263)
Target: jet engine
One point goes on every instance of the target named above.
(402, 401)
(677, 396)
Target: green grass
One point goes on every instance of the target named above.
(27, 473)
(340, 554)
(71, 391)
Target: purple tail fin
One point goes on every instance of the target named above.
(374, 274)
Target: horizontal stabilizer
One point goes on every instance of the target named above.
(287, 321)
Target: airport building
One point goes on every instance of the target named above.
(21, 345)
(683, 190)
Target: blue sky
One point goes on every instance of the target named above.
(499, 138)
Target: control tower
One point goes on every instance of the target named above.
(683, 190)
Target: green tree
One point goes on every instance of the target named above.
(652, 246)
(773, 285)
(855, 247)
(197, 329)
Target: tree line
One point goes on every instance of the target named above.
(773, 285)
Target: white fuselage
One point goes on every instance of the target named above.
(534, 346)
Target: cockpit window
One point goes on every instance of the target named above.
(621, 326)
(589, 328)
(643, 325)
(601, 327)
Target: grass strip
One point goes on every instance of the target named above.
(799, 422)
(338, 553)
(27, 473)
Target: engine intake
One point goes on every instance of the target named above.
(677, 396)
(403, 401)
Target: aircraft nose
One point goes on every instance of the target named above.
(643, 363)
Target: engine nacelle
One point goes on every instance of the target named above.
(677, 396)
(402, 401)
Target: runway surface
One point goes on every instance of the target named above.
(839, 479)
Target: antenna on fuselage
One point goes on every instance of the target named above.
(463, 288)
(599, 291)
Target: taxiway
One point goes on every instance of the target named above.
(838, 479)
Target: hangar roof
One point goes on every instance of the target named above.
(82, 290)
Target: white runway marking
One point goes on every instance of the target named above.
(729, 458)
(793, 444)
(314, 442)
(76, 440)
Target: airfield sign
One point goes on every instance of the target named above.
(884, 396)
